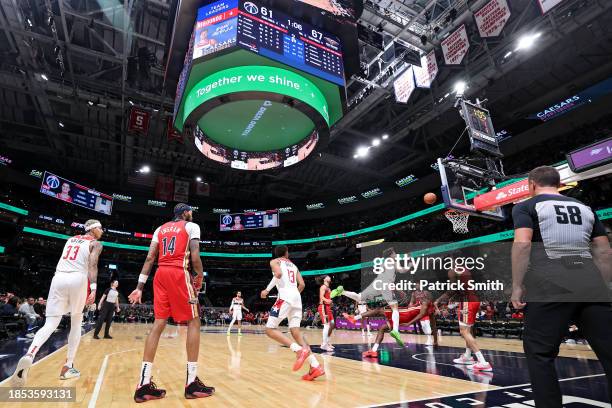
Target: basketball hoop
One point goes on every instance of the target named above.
(459, 220)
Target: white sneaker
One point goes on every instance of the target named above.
(327, 347)
(464, 360)
(20, 376)
(331, 346)
(480, 367)
(30, 335)
(70, 373)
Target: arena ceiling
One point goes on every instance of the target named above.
(71, 69)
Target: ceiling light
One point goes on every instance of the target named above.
(527, 41)
(131, 103)
(385, 136)
(509, 53)
(362, 151)
(44, 76)
(199, 179)
(375, 142)
(90, 103)
(61, 124)
(459, 88)
(145, 169)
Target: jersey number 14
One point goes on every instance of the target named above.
(168, 245)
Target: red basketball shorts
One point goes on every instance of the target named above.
(173, 294)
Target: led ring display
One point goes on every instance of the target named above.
(257, 117)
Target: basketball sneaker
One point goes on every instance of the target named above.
(462, 359)
(19, 378)
(313, 373)
(349, 318)
(336, 292)
(398, 338)
(327, 347)
(69, 372)
(370, 354)
(300, 358)
(197, 389)
(480, 367)
(148, 392)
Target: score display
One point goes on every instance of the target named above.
(254, 220)
(73, 193)
(480, 128)
(275, 35)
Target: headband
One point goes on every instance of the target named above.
(92, 226)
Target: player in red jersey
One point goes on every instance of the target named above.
(325, 311)
(176, 246)
(423, 311)
(68, 293)
(469, 304)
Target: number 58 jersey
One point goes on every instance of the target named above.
(172, 240)
(75, 255)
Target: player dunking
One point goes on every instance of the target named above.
(325, 311)
(289, 283)
(236, 310)
(469, 305)
(384, 279)
(176, 246)
(68, 293)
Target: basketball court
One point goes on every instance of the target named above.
(245, 370)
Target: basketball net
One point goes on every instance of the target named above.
(459, 220)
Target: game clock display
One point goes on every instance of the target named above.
(275, 35)
(480, 128)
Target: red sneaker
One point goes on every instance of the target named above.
(370, 354)
(300, 358)
(313, 373)
(148, 392)
(348, 317)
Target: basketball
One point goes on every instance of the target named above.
(430, 198)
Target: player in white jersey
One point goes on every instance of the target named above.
(236, 310)
(68, 294)
(383, 280)
(289, 283)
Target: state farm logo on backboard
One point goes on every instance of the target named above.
(502, 196)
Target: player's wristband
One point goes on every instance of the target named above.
(142, 278)
(271, 284)
(93, 286)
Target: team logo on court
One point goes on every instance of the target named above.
(251, 7)
(52, 182)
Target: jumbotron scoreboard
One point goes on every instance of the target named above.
(259, 89)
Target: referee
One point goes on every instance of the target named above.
(108, 303)
(560, 279)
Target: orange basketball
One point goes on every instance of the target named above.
(430, 198)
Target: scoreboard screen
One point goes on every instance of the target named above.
(273, 34)
(480, 128)
(249, 220)
(73, 193)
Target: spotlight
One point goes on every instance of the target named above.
(90, 103)
(131, 103)
(61, 124)
(29, 22)
(375, 142)
(44, 76)
(459, 88)
(385, 136)
(509, 53)
(362, 151)
(199, 179)
(145, 169)
(527, 41)
(355, 156)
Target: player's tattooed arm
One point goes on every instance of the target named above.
(95, 250)
(300, 281)
(148, 263)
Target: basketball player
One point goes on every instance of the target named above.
(563, 279)
(385, 278)
(325, 311)
(289, 283)
(426, 315)
(176, 246)
(408, 316)
(236, 310)
(67, 294)
(468, 308)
